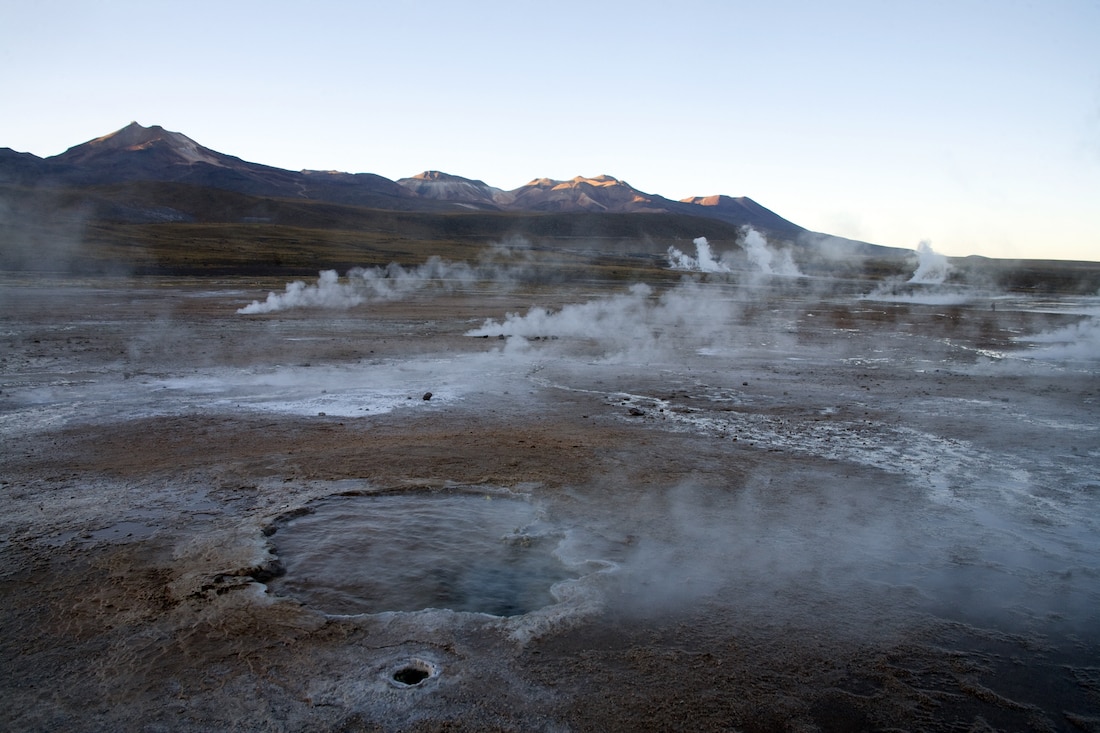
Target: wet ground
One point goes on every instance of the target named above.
(757, 506)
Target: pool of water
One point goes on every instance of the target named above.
(473, 552)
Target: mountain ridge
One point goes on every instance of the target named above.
(137, 153)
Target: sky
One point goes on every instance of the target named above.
(973, 125)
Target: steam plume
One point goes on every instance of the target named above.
(637, 322)
(932, 268)
(364, 285)
(766, 260)
(1080, 341)
(762, 258)
(932, 271)
(703, 261)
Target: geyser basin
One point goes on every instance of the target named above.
(481, 553)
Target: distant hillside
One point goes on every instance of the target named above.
(456, 189)
(146, 154)
(145, 199)
(137, 153)
(175, 228)
(166, 228)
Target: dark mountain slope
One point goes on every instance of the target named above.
(151, 176)
(137, 153)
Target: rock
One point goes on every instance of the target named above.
(636, 412)
(427, 396)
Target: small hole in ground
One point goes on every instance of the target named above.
(411, 675)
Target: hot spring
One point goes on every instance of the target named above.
(478, 553)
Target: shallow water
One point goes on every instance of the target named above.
(479, 553)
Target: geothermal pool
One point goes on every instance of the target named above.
(410, 551)
(758, 504)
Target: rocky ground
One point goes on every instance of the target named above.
(785, 509)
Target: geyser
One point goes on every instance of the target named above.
(763, 259)
(480, 553)
(932, 267)
(703, 261)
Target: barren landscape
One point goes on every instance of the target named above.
(727, 502)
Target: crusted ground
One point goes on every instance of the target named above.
(783, 533)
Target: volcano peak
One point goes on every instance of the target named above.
(174, 146)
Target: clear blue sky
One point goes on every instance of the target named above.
(974, 124)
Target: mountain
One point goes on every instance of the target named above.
(446, 187)
(742, 208)
(150, 201)
(603, 194)
(20, 168)
(138, 154)
(153, 148)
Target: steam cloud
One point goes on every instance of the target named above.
(763, 259)
(637, 322)
(703, 261)
(766, 260)
(932, 270)
(1078, 341)
(501, 263)
(366, 285)
(665, 567)
(932, 267)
